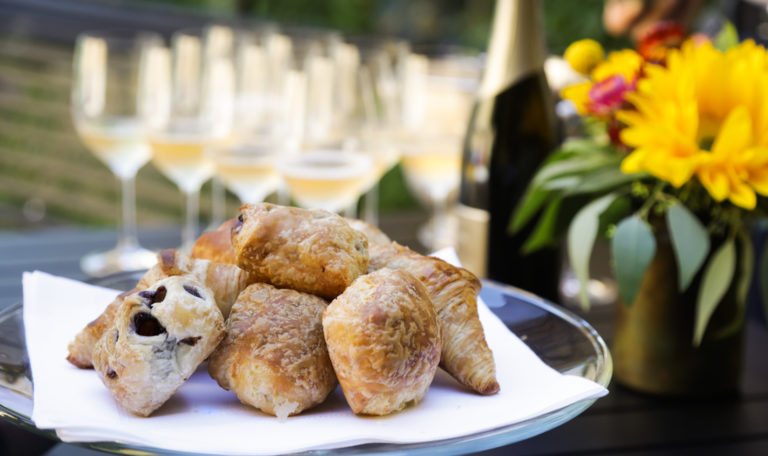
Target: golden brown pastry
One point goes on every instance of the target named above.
(158, 338)
(226, 281)
(274, 356)
(216, 245)
(371, 232)
(313, 251)
(384, 341)
(453, 291)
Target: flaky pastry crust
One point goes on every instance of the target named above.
(453, 291)
(313, 251)
(274, 356)
(384, 341)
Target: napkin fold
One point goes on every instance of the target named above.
(203, 418)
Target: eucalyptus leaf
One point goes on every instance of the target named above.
(561, 183)
(533, 199)
(633, 248)
(744, 279)
(715, 282)
(690, 242)
(581, 238)
(543, 233)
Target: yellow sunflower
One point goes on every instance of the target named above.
(706, 115)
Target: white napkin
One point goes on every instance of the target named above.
(203, 418)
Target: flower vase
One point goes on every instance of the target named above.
(653, 344)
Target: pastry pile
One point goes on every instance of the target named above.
(285, 303)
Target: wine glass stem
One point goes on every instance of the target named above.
(219, 203)
(128, 235)
(371, 205)
(189, 232)
(439, 209)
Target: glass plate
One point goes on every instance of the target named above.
(561, 339)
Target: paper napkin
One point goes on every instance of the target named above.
(203, 418)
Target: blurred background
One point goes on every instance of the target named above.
(48, 177)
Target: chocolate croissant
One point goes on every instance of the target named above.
(158, 339)
(465, 354)
(274, 356)
(312, 251)
(226, 281)
(384, 341)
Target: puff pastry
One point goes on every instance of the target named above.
(216, 245)
(159, 337)
(313, 251)
(465, 354)
(226, 281)
(274, 356)
(370, 231)
(384, 341)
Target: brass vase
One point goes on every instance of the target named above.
(653, 344)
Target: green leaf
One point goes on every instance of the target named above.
(742, 286)
(717, 278)
(581, 238)
(543, 233)
(574, 165)
(633, 248)
(727, 37)
(601, 180)
(690, 242)
(533, 199)
(619, 208)
(560, 183)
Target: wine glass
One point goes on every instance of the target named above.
(193, 113)
(438, 92)
(326, 179)
(106, 105)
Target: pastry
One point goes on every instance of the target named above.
(216, 245)
(453, 291)
(274, 357)
(157, 340)
(226, 281)
(371, 232)
(313, 251)
(81, 346)
(384, 341)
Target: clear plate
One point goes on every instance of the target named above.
(561, 339)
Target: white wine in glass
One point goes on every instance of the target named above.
(249, 170)
(326, 179)
(106, 106)
(192, 114)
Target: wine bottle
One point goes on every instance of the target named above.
(512, 129)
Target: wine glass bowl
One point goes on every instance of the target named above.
(326, 179)
(106, 105)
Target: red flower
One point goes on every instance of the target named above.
(606, 96)
(659, 39)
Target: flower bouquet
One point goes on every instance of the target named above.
(676, 159)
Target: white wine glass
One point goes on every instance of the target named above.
(191, 115)
(326, 179)
(106, 105)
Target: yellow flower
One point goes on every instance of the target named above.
(706, 115)
(584, 55)
(626, 62)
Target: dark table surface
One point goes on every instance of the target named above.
(624, 422)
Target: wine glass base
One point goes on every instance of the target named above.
(133, 258)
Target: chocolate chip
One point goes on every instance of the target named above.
(192, 290)
(146, 325)
(154, 296)
(111, 374)
(238, 224)
(191, 341)
(117, 336)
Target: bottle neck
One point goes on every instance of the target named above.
(516, 47)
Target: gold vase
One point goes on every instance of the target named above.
(653, 349)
